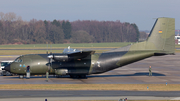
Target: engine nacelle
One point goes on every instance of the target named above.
(62, 57)
(61, 71)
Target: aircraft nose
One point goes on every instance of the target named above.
(7, 67)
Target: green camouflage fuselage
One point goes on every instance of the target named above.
(92, 64)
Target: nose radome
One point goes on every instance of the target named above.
(7, 68)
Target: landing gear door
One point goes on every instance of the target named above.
(27, 62)
(17, 65)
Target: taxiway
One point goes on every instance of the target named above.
(41, 95)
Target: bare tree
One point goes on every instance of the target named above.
(1, 16)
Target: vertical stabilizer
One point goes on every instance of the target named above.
(161, 38)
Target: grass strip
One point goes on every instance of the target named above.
(23, 52)
(148, 100)
(129, 100)
(54, 48)
(131, 87)
(177, 51)
(83, 45)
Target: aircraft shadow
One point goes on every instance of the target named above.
(93, 76)
(135, 74)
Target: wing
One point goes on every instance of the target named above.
(71, 54)
(81, 54)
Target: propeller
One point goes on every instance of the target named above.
(51, 49)
(47, 48)
(50, 56)
(50, 59)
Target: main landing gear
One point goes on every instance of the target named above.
(78, 76)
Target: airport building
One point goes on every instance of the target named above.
(177, 37)
(177, 40)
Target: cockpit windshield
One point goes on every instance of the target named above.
(18, 60)
(70, 50)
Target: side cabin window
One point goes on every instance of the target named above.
(18, 60)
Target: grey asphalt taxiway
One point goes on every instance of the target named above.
(165, 70)
(41, 95)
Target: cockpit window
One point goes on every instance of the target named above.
(70, 50)
(18, 60)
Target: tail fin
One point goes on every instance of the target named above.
(161, 38)
(162, 35)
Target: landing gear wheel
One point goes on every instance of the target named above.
(74, 76)
(71, 76)
(82, 76)
(78, 76)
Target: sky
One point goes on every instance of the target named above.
(141, 12)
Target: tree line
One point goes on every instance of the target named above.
(13, 30)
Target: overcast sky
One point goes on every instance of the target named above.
(141, 12)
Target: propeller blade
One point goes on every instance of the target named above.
(47, 47)
(51, 62)
(50, 56)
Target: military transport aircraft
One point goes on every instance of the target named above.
(78, 63)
